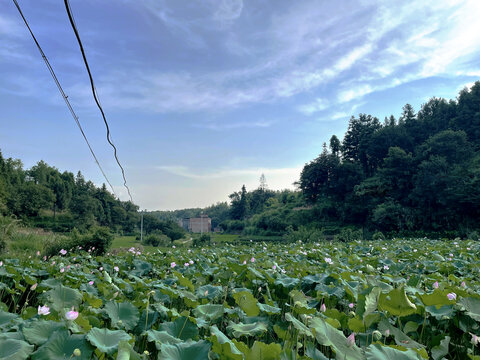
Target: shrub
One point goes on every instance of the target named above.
(348, 234)
(157, 239)
(100, 239)
(303, 234)
(378, 235)
(203, 239)
(474, 236)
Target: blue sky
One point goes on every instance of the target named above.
(204, 96)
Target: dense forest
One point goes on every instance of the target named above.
(418, 174)
(42, 196)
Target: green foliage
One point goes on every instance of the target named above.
(157, 238)
(42, 196)
(418, 175)
(348, 235)
(98, 241)
(291, 301)
(203, 239)
(7, 229)
(378, 235)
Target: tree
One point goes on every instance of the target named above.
(335, 145)
(263, 183)
(317, 176)
(357, 139)
(239, 204)
(468, 113)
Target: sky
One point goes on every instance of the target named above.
(205, 96)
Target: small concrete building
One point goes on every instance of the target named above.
(202, 224)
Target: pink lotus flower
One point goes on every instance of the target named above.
(172, 265)
(323, 308)
(274, 267)
(90, 282)
(1, 263)
(62, 270)
(452, 296)
(252, 259)
(351, 305)
(475, 339)
(463, 284)
(43, 310)
(101, 268)
(38, 253)
(71, 315)
(116, 268)
(186, 264)
(244, 262)
(34, 286)
(435, 285)
(351, 339)
(63, 252)
(386, 267)
(191, 262)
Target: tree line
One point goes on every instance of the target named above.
(418, 174)
(45, 197)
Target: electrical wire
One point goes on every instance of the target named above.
(65, 97)
(94, 92)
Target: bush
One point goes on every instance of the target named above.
(157, 238)
(98, 240)
(233, 226)
(348, 234)
(203, 239)
(474, 236)
(303, 234)
(378, 235)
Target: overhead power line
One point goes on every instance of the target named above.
(94, 92)
(65, 97)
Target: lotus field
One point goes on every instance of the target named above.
(399, 299)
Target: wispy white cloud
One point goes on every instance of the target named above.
(354, 93)
(236, 125)
(228, 10)
(318, 105)
(422, 49)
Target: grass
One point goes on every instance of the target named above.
(126, 242)
(224, 238)
(26, 242)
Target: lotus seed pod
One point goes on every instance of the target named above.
(146, 352)
(77, 352)
(377, 335)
